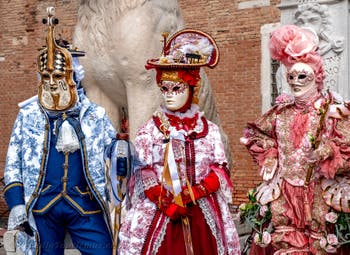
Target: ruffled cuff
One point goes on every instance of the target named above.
(18, 215)
(222, 172)
(270, 153)
(149, 177)
(330, 165)
(14, 194)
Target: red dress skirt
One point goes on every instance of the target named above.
(203, 241)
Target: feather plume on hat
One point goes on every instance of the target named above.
(291, 44)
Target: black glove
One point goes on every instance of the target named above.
(26, 228)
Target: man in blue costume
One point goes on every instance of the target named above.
(55, 168)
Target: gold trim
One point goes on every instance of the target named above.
(79, 208)
(84, 193)
(48, 204)
(170, 75)
(13, 185)
(46, 207)
(46, 188)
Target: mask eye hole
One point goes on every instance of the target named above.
(46, 76)
(164, 89)
(58, 76)
(291, 77)
(302, 76)
(176, 88)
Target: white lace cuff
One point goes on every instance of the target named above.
(17, 216)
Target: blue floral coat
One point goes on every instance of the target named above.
(27, 158)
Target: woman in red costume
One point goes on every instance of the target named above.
(301, 146)
(181, 185)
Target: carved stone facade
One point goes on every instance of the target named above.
(330, 20)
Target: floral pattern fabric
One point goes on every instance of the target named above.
(28, 141)
(274, 136)
(150, 148)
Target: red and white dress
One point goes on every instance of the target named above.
(146, 229)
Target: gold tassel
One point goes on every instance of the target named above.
(307, 208)
(189, 187)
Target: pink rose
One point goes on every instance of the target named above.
(323, 243)
(331, 249)
(247, 132)
(332, 239)
(331, 217)
(298, 48)
(304, 42)
(256, 238)
(264, 241)
(266, 238)
(263, 210)
(284, 98)
(243, 140)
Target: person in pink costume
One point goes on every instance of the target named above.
(181, 186)
(301, 146)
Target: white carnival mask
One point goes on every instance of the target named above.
(175, 94)
(301, 78)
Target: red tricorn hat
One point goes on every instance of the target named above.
(184, 53)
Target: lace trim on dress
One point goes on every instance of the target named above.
(209, 218)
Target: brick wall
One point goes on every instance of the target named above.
(235, 81)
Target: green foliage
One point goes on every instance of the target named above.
(342, 228)
(256, 215)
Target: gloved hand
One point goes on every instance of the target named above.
(210, 184)
(164, 201)
(174, 211)
(122, 148)
(18, 219)
(323, 152)
(26, 228)
(269, 168)
(159, 196)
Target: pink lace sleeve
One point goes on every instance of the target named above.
(338, 161)
(259, 137)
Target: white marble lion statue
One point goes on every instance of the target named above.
(118, 37)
